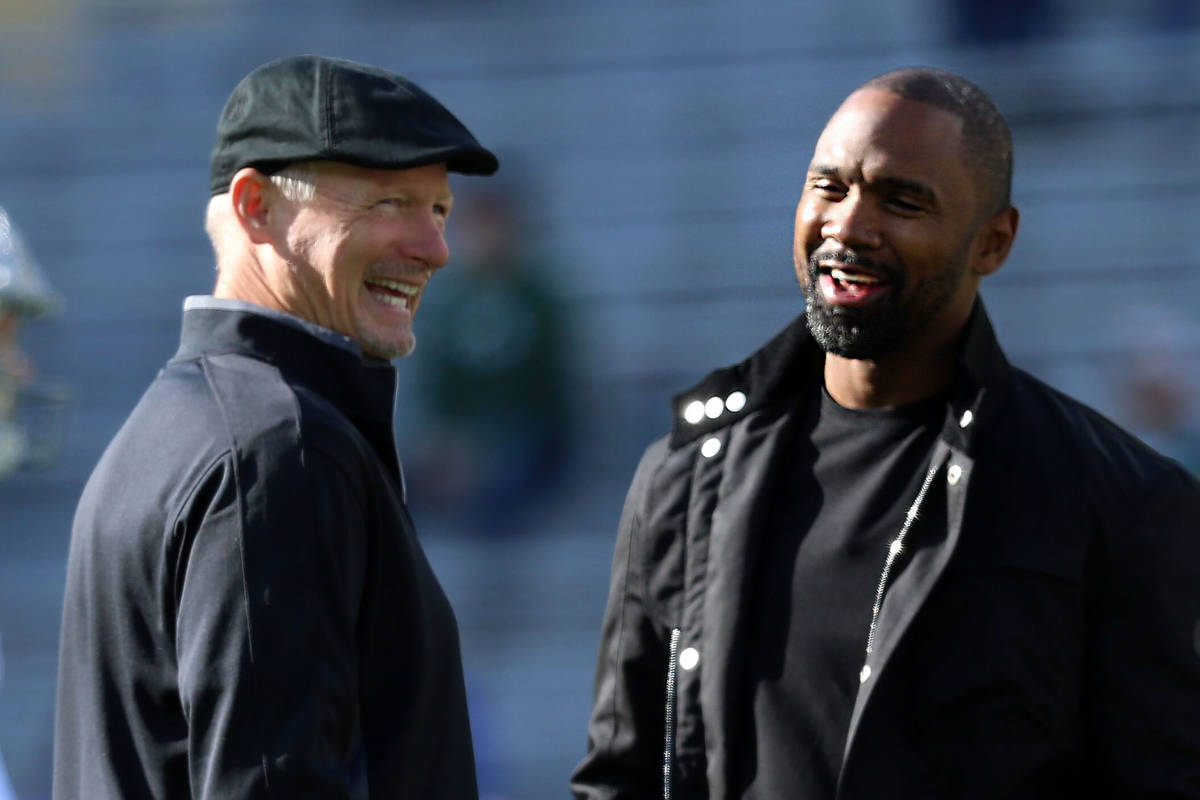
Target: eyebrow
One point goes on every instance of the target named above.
(375, 193)
(909, 185)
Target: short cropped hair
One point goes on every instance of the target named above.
(986, 138)
(297, 182)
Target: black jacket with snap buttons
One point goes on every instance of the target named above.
(1045, 644)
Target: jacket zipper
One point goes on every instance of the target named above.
(669, 735)
(894, 551)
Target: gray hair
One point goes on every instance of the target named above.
(296, 182)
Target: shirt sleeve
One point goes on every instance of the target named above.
(270, 568)
(624, 758)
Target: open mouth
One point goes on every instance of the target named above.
(394, 293)
(850, 285)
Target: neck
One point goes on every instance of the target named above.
(896, 380)
(246, 279)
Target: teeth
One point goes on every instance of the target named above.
(395, 286)
(842, 275)
(398, 302)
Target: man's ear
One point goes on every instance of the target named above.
(993, 241)
(253, 197)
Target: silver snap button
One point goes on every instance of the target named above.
(689, 658)
(736, 401)
(711, 446)
(954, 475)
(714, 407)
(967, 419)
(694, 412)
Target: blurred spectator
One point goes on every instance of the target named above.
(24, 294)
(986, 22)
(1156, 390)
(494, 375)
(1173, 16)
(30, 411)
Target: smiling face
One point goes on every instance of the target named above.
(886, 229)
(357, 257)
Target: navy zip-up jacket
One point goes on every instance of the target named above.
(248, 612)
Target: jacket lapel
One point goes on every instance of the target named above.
(751, 467)
(911, 586)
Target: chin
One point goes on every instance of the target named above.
(388, 349)
(865, 334)
(391, 354)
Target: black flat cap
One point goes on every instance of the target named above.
(309, 107)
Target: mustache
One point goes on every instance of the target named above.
(849, 258)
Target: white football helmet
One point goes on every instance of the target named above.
(32, 411)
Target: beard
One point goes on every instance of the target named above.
(885, 326)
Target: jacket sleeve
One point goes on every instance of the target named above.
(1143, 694)
(626, 733)
(270, 555)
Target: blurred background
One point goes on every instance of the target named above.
(638, 234)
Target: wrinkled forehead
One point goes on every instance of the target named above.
(340, 178)
(875, 126)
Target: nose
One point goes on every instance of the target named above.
(852, 222)
(427, 241)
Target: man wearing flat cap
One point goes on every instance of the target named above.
(248, 612)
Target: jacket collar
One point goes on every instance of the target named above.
(790, 362)
(361, 387)
(200, 301)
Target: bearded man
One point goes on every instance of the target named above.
(874, 560)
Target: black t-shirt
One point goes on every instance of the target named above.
(840, 501)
